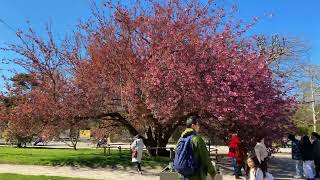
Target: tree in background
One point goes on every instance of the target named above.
(306, 116)
(18, 129)
(148, 67)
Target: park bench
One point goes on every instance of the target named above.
(214, 153)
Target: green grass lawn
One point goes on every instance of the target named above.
(22, 177)
(67, 157)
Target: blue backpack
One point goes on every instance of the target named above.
(184, 162)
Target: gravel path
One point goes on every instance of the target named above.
(281, 166)
(94, 174)
(88, 173)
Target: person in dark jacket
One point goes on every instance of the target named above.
(307, 157)
(241, 156)
(316, 152)
(296, 155)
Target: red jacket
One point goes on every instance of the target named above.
(233, 146)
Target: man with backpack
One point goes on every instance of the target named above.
(192, 160)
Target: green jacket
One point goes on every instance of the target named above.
(201, 153)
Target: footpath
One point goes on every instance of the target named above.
(94, 174)
(281, 166)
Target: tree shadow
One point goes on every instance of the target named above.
(114, 161)
(279, 167)
(282, 167)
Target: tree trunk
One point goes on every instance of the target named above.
(156, 141)
(75, 138)
(156, 135)
(74, 143)
(75, 146)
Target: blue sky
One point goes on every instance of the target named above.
(292, 18)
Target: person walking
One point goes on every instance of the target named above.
(192, 159)
(262, 154)
(137, 151)
(296, 155)
(233, 149)
(316, 152)
(241, 156)
(307, 157)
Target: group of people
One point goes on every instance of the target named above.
(192, 159)
(306, 154)
(254, 166)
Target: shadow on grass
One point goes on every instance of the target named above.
(93, 158)
(110, 161)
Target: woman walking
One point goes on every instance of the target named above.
(137, 151)
(262, 154)
(233, 149)
(307, 157)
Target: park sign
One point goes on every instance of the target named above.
(85, 134)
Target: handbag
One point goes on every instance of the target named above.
(135, 152)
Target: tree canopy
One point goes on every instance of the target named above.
(147, 67)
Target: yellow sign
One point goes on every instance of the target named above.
(86, 134)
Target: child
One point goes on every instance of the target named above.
(254, 172)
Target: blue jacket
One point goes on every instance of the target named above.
(296, 150)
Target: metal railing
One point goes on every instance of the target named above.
(213, 152)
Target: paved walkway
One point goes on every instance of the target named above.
(94, 174)
(281, 166)
(107, 174)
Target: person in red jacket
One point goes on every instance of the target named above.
(233, 149)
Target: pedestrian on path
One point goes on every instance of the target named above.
(307, 157)
(316, 152)
(192, 160)
(296, 155)
(242, 156)
(262, 154)
(233, 149)
(137, 151)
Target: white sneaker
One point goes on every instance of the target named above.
(297, 177)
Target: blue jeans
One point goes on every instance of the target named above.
(237, 170)
(299, 167)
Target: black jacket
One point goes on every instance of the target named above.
(307, 152)
(316, 150)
